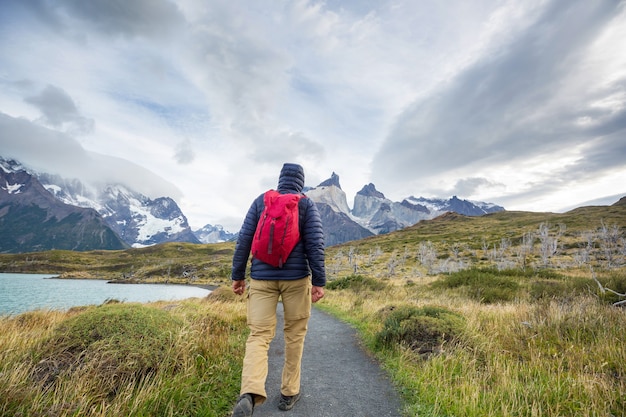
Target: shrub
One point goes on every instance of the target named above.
(356, 283)
(423, 330)
(560, 289)
(109, 345)
(224, 294)
(484, 285)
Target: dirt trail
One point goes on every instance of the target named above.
(338, 378)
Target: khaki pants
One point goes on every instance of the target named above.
(262, 301)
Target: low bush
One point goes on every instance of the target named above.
(224, 294)
(560, 289)
(356, 283)
(484, 285)
(109, 345)
(424, 330)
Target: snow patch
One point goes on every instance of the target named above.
(149, 225)
(13, 188)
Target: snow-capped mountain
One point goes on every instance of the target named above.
(137, 220)
(32, 219)
(214, 234)
(467, 207)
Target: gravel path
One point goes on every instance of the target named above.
(338, 378)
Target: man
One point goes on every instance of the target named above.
(299, 282)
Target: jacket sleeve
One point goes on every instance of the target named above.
(244, 240)
(313, 240)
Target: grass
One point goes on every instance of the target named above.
(547, 358)
(181, 263)
(124, 360)
(468, 318)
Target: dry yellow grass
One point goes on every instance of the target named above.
(553, 357)
(39, 378)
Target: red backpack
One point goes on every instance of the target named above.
(277, 231)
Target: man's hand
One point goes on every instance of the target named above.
(317, 293)
(239, 286)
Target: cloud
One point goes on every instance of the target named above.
(152, 18)
(287, 146)
(470, 186)
(504, 100)
(184, 152)
(50, 151)
(510, 105)
(59, 109)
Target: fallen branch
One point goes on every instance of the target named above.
(605, 289)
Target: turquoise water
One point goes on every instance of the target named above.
(25, 292)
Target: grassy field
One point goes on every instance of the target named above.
(510, 314)
(182, 263)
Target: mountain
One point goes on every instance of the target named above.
(339, 224)
(214, 234)
(620, 202)
(374, 214)
(136, 219)
(466, 207)
(32, 219)
(340, 227)
(141, 221)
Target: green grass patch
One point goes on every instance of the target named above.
(356, 283)
(484, 285)
(423, 330)
(113, 343)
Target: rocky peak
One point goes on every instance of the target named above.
(368, 201)
(370, 190)
(333, 180)
(329, 192)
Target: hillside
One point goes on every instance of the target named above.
(587, 236)
(173, 262)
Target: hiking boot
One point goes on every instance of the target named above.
(287, 402)
(244, 406)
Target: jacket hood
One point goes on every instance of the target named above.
(291, 178)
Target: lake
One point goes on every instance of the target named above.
(25, 292)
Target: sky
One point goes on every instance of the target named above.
(518, 103)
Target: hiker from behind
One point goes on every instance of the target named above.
(297, 277)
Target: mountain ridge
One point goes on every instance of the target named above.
(142, 221)
(374, 214)
(31, 219)
(135, 218)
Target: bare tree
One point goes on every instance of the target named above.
(549, 243)
(426, 253)
(609, 243)
(391, 264)
(525, 249)
(583, 254)
(456, 249)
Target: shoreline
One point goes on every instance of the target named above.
(209, 287)
(123, 282)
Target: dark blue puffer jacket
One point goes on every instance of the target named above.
(307, 258)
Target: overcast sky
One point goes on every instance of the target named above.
(519, 103)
